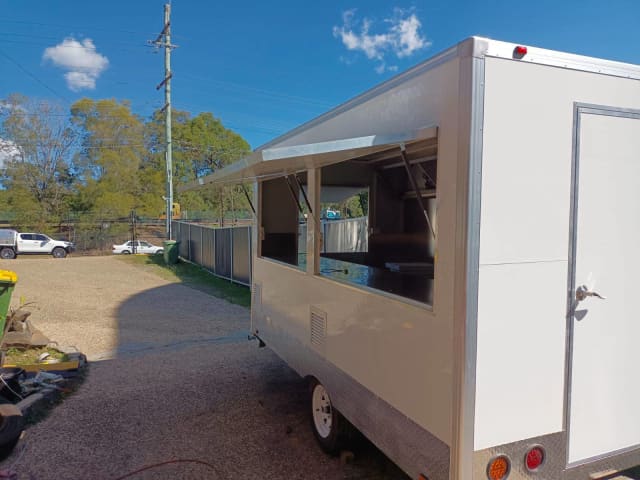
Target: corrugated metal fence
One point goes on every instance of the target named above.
(226, 252)
(348, 235)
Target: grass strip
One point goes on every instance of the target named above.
(193, 276)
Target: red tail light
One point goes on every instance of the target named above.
(534, 458)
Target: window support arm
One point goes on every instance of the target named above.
(246, 194)
(414, 185)
(293, 193)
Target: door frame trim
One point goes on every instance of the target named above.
(578, 110)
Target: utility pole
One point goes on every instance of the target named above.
(164, 41)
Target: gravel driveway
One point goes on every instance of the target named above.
(172, 376)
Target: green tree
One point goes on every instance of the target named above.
(37, 147)
(115, 177)
(201, 145)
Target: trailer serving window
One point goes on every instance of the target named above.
(399, 217)
(284, 211)
(389, 181)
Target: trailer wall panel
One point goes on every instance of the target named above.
(400, 351)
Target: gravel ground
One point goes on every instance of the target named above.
(172, 376)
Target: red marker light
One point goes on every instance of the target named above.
(519, 51)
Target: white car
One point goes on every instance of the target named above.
(13, 243)
(137, 246)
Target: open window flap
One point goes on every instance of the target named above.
(279, 161)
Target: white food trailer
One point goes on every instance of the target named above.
(489, 330)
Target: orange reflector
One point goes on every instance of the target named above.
(498, 468)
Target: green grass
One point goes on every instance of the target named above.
(193, 276)
(29, 356)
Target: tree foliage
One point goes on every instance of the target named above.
(38, 173)
(100, 160)
(201, 145)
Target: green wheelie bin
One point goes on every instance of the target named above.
(8, 280)
(170, 252)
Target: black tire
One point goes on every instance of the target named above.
(331, 429)
(160, 252)
(11, 426)
(59, 252)
(126, 252)
(7, 253)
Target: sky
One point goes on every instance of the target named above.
(263, 67)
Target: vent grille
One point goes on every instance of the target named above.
(318, 327)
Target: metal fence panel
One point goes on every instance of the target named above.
(224, 250)
(195, 244)
(346, 235)
(241, 255)
(208, 248)
(183, 246)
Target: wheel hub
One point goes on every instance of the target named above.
(322, 414)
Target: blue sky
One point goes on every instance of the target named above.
(266, 67)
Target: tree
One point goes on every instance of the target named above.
(201, 145)
(37, 147)
(115, 179)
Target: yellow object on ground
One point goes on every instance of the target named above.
(48, 367)
(7, 276)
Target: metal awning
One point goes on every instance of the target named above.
(280, 161)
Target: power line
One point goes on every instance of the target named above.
(15, 62)
(92, 27)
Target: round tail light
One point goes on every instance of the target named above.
(498, 468)
(534, 458)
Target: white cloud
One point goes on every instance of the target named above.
(81, 60)
(402, 37)
(9, 151)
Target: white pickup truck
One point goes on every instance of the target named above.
(13, 243)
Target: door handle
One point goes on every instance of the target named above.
(582, 292)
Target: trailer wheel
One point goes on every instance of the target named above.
(329, 427)
(7, 253)
(59, 252)
(11, 425)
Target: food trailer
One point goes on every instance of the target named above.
(489, 329)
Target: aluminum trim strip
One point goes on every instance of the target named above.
(568, 61)
(474, 185)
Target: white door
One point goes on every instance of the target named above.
(145, 247)
(604, 395)
(42, 243)
(27, 243)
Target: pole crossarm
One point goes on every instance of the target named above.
(163, 82)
